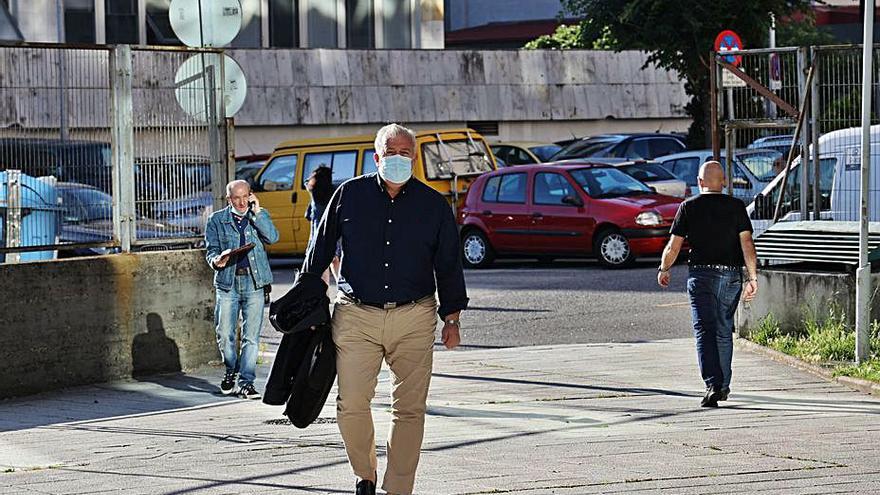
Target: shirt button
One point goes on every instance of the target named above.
(386, 265)
(389, 220)
(386, 286)
(387, 243)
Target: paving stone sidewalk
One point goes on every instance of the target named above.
(579, 419)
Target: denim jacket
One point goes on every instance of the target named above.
(221, 234)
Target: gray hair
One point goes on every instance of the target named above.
(392, 131)
(236, 183)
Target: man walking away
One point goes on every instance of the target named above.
(240, 279)
(719, 233)
(399, 247)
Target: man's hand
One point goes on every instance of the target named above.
(221, 260)
(255, 203)
(750, 290)
(663, 278)
(450, 335)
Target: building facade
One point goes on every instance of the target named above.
(366, 24)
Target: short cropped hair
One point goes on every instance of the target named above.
(392, 131)
(232, 185)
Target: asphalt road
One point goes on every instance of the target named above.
(520, 303)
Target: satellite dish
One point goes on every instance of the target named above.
(200, 23)
(197, 86)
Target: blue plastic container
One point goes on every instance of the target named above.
(40, 216)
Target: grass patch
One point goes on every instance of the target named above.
(824, 339)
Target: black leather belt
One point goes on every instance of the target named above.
(386, 305)
(242, 271)
(726, 268)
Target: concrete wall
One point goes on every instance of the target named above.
(789, 295)
(90, 320)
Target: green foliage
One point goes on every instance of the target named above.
(564, 38)
(822, 339)
(679, 34)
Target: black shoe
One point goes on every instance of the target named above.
(248, 391)
(725, 393)
(711, 398)
(227, 386)
(365, 487)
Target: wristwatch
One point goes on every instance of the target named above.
(453, 322)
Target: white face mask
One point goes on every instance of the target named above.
(395, 168)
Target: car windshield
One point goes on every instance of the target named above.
(761, 163)
(546, 151)
(586, 147)
(449, 158)
(608, 182)
(86, 205)
(647, 172)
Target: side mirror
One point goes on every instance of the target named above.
(653, 189)
(573, 200)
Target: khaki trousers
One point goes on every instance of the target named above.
(404, 338)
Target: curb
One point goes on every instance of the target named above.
(864, 386)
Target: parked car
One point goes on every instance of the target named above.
(188, 212)
(752, 169)
(524, 152)
(447, 160)
(623, 146)
(572, 209)
(247, 167)
(85, 162)
(653, 174)
(781, 143)
(87, 217)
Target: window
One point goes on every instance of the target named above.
(551, 188)
(159, 31)
(397, 23)
(637, 148)
(501, 153)
(664, 146)
(279, 174)
(512, 188)
(607, 182)
(792, 200)
(508, 188)
(647, 172)
(490, 192)
(322, 19)
(368, 164)
(687, 169)
(359, 24)
(544, 152)
(121, 21)
(251, 28)
(283, 24)
(79, 21)
(461, 157)
(342, 164)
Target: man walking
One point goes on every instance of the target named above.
(234, 237)
(719, 233)
(398, 237)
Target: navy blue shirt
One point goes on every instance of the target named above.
(241, 224)
(393, 249)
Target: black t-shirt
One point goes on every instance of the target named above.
(711, 223)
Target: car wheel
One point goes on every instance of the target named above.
(613, 250)
(475, 249)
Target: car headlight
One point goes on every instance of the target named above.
(649, 218)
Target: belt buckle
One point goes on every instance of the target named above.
(389, 305)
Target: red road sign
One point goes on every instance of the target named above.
(728, 40)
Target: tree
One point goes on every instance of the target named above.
(678, 35)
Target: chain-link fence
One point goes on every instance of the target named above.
(97, 155)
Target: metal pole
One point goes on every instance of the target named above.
(863, 273)
(730, 142)
(805, 134)
(62, 96)
(814, 128)
(122, 145)
(771, 108)
(713, 106)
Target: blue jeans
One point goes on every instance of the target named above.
(245, 299)
(714, 294)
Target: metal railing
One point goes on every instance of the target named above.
(97, 155)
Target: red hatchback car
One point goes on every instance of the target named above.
(575, 209)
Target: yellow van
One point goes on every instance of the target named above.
(446, 160)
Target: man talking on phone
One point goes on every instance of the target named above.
(234, 238)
